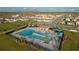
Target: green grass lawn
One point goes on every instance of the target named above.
(71, 41)
(7, 43)
(12, 25)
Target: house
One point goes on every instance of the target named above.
(10, 20)
(70, 23)
(2, 20)
(67, 19)
(63, 22)
(77, 22)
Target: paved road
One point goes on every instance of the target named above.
(70, 28)
(56, 22)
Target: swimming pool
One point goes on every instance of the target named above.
(46, 40)
(32, 34)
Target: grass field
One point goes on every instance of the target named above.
(7, 43)
(71, 41)
(13, 25)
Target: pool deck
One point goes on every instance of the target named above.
(53, 43)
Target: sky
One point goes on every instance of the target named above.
(39, 9)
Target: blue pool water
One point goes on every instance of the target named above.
(37, 35)
(41, 36)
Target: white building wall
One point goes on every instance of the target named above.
(77, 23)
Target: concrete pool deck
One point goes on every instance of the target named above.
(51, 42)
